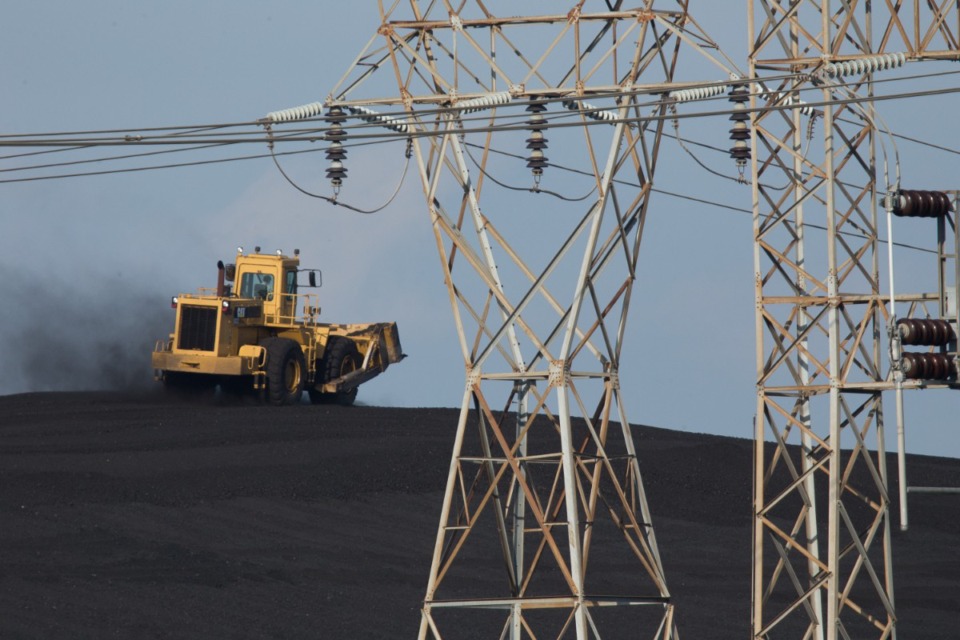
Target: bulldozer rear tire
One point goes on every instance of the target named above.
(286, 371)
(341, 358)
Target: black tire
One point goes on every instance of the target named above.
(341, 358)
(286, 371)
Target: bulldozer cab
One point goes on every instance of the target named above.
(273, 281)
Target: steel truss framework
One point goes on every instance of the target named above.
(540, 279)
(823, 573)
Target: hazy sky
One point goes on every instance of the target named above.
(87, 265)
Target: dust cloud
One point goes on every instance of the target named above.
(60, 336)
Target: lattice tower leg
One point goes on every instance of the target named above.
(562, 515)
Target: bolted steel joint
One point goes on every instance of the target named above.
(559, 373)
(614, 380)
(473, 377)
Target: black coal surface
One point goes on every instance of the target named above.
(127, 516)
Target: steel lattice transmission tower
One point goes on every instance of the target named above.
(822, 555)
(544, 518)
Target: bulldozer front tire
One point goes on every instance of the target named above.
(286, 371)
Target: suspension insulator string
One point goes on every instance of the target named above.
(861, 66)
(537, 143)
(406, 165)
(740, 133)
(593, 112)
(389, 122)
(489, 101)
(697, 93)
(336, 154)
(302, 112)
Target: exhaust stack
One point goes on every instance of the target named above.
(220, 278)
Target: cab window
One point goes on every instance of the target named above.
(291, 284)
(257, 285)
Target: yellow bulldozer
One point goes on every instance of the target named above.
(258, 334)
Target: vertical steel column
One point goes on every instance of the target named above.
(834, 469)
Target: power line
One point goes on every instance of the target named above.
(128, 156)
(184, 135)
(40, 153)
(926, 144)
(534, 189)
(315, 134)
(176, 130)
(176, 165)
(163, 166)
(141, 154)
(334, 200)
(712, 203)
